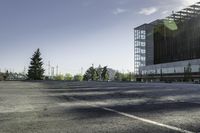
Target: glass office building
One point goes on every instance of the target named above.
(170, 45)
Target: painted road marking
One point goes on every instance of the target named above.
(136, 117)
(147, 121)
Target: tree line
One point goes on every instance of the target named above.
(96, 74)
(36, 72)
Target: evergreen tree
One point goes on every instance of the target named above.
(94, 76)
(104, 74)
(90, 74)
(99, 72)
(36, 71)
(86, 76)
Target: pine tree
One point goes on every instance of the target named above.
(94, 76)
(99, 71)
(104, 74)
(36, 70)
(90, 74)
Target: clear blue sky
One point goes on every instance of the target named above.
(75, 33)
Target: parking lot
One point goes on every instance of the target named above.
(98, 107)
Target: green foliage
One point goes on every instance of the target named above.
(99, 72)
(127, 77)
(78, 77)
(68, 77)
(104, 74)
(90, 74)
(59, 77)
(130, 76)
(118, 76)
(85, 77)
(95, 74)
(36, 71)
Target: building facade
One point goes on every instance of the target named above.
(169, 48)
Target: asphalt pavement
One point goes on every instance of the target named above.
(98, 107)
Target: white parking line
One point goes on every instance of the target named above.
(147, 121)
(136, 117)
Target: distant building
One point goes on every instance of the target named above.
(169, 49)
